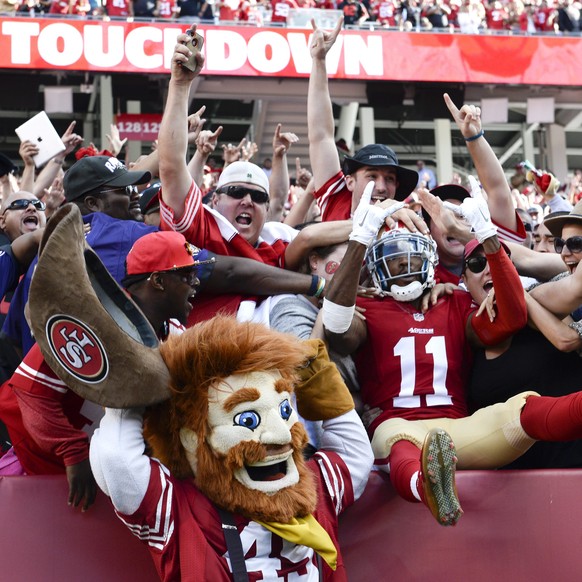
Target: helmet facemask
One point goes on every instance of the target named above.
(401, 243)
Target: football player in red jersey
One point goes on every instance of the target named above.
(413, 365)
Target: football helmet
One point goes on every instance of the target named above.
(400, 243)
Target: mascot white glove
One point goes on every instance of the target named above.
(475, 212)
(368, 218)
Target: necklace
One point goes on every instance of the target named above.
(417, 315)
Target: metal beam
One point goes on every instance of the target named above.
(516, 144)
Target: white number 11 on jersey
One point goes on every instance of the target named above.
(405, 349)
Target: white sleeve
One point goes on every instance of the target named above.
(346, 436)
(119, 464)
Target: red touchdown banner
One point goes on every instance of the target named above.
(119, 46)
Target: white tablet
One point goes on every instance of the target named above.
(40, 131)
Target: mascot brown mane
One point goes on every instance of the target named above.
(199, 359)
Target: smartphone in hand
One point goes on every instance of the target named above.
(195, 44)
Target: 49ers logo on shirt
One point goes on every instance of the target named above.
(77, 348)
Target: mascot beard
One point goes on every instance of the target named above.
(216, 477)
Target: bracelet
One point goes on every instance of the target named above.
(317, 286)
(476, 136)
(59, 162)
(577, 327)
(314, 285)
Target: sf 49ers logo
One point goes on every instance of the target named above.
(77, 348)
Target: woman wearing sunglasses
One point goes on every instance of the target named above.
(527, 360)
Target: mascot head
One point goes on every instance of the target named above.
(230, 423)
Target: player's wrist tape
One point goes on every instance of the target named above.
(476, 136)
(337, 318)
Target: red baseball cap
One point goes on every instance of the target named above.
(161, 251)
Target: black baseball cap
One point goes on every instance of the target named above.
(93, 172)
(6, 165)
(149, 200)
(447, 192)
(377, 154)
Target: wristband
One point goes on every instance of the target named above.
(476, 136)
(320, 287)
(337, 318)
(313, 287)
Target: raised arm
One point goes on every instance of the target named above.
(51, 170)
(511, 310)
(26, 151)
(320, 124)
(300, 210)
(489, 170)
(345, 332)
(173, 136)
(279, 178)
(205, 144)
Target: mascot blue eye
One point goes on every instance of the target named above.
(248, 419)
(285, 410)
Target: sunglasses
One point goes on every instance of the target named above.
(129, 190)
(23, 203)
(476, 264)
(574, 243)
(239, 192)
(188, 277)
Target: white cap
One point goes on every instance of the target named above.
(243, 172)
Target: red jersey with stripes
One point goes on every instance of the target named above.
(49, 425)
(415, 365)
(183, 530)
(208, 229)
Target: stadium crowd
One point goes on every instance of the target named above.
(468, 301)
(465, 16)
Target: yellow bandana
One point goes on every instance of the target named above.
(306, 531)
